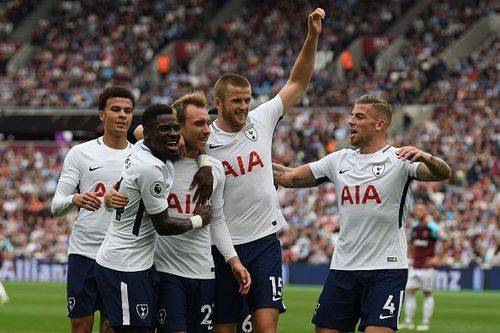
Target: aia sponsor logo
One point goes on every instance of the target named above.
(358, 195)
(244, 164)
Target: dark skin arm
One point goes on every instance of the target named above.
(204, 179)
(166, 225)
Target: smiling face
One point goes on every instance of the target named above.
(195, 129)
(163, 136)
(117, 116)
(233, 107)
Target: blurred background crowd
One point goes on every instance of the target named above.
(80, 47)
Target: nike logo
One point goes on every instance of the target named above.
(385, 317)
(276, 298)
(211, 146)
(342, 171)
(92, 169)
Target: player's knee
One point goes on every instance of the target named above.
(265, 320)
(82, 325)
(225, 328)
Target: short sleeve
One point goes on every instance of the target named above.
(324, 169)
(269, 112)
(154, 184)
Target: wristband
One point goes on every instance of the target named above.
(203, 160)
(197, 221)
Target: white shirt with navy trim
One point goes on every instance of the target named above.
(91, 167)
(130, 242)
(372, 191)
(250, 199)
(189, 255)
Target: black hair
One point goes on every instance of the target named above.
(151, 112)
(115, 91)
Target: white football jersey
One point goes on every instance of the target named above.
(189, 255)
(130, 242)
(91, 167)
(372, 191)
(250, 199)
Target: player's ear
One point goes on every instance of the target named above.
(217, 102)
(380, 124)
(101, 115)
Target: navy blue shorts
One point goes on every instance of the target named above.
(129, 297)
(262, 258)
(185, 304)
(245, 325)
(83, 295)
(373, 296)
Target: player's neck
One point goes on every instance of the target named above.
(191, 153)
(373, 146)
(220, 123)
(115, 142)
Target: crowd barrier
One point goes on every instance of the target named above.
(446, 278)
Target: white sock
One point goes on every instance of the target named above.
(410, 306)
(428, 309)
(3, 293)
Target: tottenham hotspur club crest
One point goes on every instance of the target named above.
(162, 314)
(378, 169)
(251, 134)
(142, 310)
(71, 303)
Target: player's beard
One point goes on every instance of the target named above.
(173, 157)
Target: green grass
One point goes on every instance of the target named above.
(41, 307)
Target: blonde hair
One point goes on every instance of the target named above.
(380, 105)
(196, 98)
(226, 79)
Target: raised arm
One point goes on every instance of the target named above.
(302, 69)
(293, 177)
(431, 169)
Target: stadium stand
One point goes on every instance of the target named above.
(68, 70)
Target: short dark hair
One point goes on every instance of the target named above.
(232, 79)
(378, 104)
(151, 112)
(196, 98)
(115, 91)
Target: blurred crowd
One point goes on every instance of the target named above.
(464, 129)
(85, 45)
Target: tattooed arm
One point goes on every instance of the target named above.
(293, 177)
(431, 169)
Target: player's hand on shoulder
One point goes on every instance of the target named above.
(412, 154)
(205, 211)
(204, 179)
(241, 274)
(88, 200)
(314, 21)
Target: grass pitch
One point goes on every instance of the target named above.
(41, 308)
